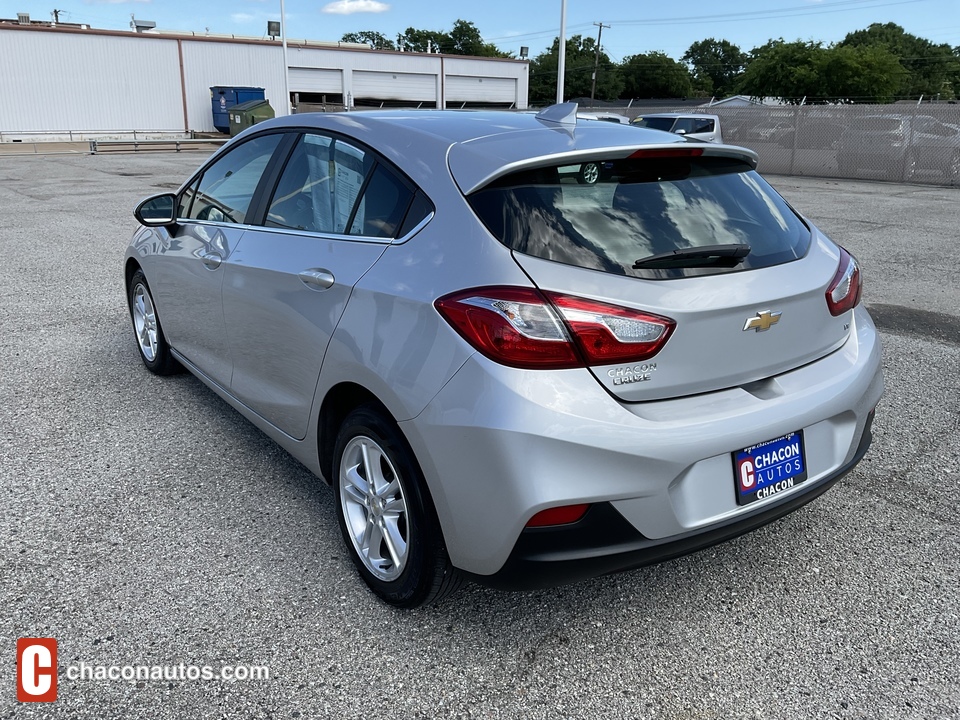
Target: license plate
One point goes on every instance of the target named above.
(769, 468)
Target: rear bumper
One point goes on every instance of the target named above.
(604, 542)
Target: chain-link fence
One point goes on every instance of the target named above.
(897, 143)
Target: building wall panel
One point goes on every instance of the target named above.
(59, 81)
(56, 80)
(207, 64)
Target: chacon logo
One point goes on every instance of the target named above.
(762, 321)
(36, 669)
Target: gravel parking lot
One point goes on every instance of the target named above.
(146, 523)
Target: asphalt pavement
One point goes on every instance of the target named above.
(144, 522)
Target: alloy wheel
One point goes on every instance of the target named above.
(145, 322)
(374, 508)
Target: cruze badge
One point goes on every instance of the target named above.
(763, 321)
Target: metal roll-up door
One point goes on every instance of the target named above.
(394, 86)
(316, 80)
(463, 88)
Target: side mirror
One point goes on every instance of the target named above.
(681, 131)
(157, 210)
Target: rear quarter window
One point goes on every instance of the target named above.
(642, 208)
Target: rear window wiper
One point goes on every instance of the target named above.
(705, 256)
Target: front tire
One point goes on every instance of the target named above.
(151, 342)
(385, 514)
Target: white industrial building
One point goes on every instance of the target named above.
(59, 79)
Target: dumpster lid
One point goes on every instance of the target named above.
(249, 105)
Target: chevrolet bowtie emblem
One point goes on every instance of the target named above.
(763, 321)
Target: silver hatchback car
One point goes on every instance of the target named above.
(506, 375)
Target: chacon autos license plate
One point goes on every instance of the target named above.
(769, 468)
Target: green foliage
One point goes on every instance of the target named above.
(420, 41)
(463, 39)
(376, 40)
(578, 72)
(654, 75)
(716, 65)
(931, 70)
(792, 71)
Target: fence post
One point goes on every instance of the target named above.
(796, 133)
(908, 150)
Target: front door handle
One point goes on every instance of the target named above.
(211, 259)
(317, 279)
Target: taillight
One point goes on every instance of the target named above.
(608, 333)
(524, 328)
(846, 287)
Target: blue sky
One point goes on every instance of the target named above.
(636, 26)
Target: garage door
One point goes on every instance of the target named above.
(394, 86)
(316, 80)
(461, 88)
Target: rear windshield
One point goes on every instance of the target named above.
(657, 123)
(640, 208)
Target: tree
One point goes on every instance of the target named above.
(931, 69)
(578, 72)
(654, 75)
(716, 65)
(372, 38)
(414, 40)
(796, 70)
(465, 40)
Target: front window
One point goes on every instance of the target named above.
(228, 186)
(642, 208)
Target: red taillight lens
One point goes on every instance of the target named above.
(846, 287)
(524, 328)
(609, 333)
(514, 326)
(563, 515)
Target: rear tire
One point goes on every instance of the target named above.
(153, 347)
(385, 513)
(589, 174)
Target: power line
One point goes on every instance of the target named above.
(793, 11)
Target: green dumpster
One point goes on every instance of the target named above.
(248, 114)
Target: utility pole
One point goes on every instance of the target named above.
(562, 56)
(596, 60)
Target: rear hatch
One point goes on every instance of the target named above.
(690, 236)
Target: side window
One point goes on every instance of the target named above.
(303, 197)
(319, 186)
(702, 125)
(420, 209)
(227, 187)
(383, 205)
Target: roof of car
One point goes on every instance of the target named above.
(481, 145)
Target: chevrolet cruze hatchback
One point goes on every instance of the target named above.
(507, 375)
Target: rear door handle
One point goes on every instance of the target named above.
(317, 279)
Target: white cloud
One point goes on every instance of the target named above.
(349, 7)
(242, 18)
